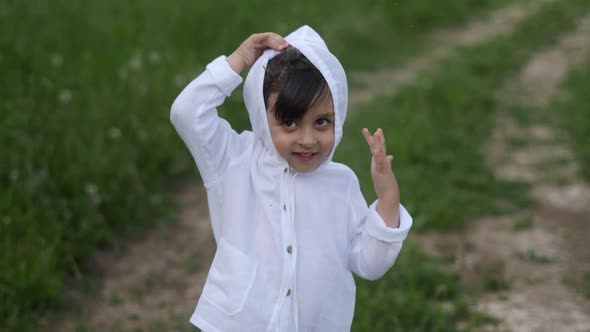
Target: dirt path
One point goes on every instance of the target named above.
(154, 284)
(374, 84)
(537, 249)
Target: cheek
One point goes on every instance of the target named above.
(281, 142)
(328, 140)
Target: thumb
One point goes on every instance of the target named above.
(389, 160)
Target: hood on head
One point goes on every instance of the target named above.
(313, 47)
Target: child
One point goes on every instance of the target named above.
(290, 225)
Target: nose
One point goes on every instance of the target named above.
(307, 138)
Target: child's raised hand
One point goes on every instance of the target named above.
(384, 180)
(252, 48)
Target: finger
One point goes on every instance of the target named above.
(389, 159)
(381, 136)
(368, 137)
(277, 42)
(378, 143)
(379, 161)
(378, 154)
(283, 44)
(274, 41)
(377, 148)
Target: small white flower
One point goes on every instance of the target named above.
(136, 62)
(65, 96)
(154, 57)
(13, 175)
(115, 132)
(91, 189)
(56, 60)
(92, 192)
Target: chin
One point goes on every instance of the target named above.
(305, 169)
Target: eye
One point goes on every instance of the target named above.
(289, 124)
(322, 122)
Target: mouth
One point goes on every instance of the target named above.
(304, 156)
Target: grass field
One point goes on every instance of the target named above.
(89, 155)
(437, 128)
(574, 114)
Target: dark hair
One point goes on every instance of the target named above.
(297, 82)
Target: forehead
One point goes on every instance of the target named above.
(323, 107)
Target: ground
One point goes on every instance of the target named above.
(528, 256)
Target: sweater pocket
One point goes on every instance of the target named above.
(230, 279)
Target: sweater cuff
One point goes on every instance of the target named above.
(223, 75)
(377, 228)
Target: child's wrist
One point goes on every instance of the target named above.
(236, 63)
(388, 209)
(389, 197)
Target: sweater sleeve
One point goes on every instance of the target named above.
(375, 246)
(209, 138)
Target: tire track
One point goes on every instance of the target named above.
(388, 81)
(553, 247)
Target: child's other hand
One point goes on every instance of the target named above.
(252, 48)
(384, 180)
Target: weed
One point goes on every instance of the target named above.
(580, 285)
(533, 257)
(572, 114)
(522, 224)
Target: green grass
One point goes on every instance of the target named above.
(417, 295)
(580, 285)
(437, 128)
(524, 223)
(533, 257)
(574, 115)
(88, 150)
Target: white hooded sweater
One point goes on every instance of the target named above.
(287, 242)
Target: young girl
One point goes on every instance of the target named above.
(290, 224)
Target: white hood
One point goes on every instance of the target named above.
(306, 40)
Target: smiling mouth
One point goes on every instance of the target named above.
(305, 156)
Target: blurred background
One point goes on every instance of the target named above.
(485, 105)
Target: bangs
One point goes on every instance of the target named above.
(298, 85)
(301, 91)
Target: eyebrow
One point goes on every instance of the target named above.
(327, 114)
